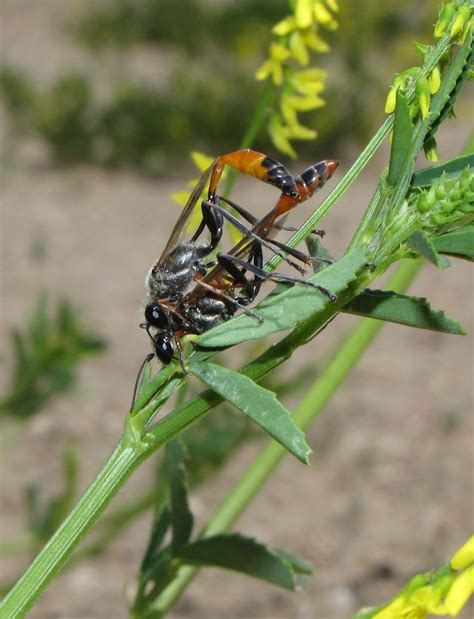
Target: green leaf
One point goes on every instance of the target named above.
(282, 311)
(402, 141)
(451, 85)
(419, 242)
(318, 253)
(298, 564)
(257, 403)
(161, 525)
(459, 243)
(241, 554)
(452, 169)
(181, 516)
(404, 310)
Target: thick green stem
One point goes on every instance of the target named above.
(340, 366)
(57, 551)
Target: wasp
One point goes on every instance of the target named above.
(187, 292)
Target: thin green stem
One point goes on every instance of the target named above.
(252, 130)
(339, 190)
(340, 366)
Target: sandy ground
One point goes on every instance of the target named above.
(389, 490)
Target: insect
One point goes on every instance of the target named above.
(189, 294)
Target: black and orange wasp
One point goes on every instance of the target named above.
(188, 293)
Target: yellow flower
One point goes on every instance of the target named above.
(303, 13)
(324, 17)
(308, 81)
(464, 556)
(391, 100)
(424, 95)
(300, 132)
(273, 66)
(462, 18)
(460, 591)
(298, 47)
(415, 606)
(314, 41)
(279, 136)
(332, 4)
(201, 161)
(431, 153)
(434, 80)
(446, 13)
(285, 26)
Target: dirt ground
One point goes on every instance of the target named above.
(389, 489)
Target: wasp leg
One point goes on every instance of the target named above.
(179, 348)
(278, 277)
(253, 220)
(223, 295)
(250, 287)
(281, 251)
(214, 222)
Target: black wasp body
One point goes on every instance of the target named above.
(186, 293)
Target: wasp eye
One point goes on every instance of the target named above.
(164, 348)
(156, 316)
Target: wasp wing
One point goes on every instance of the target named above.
(185, 214)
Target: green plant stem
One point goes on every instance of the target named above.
(343, 361)
(252, 131)
(54, 555)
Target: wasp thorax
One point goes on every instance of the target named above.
(175, 275)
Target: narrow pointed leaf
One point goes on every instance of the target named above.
(404, 310)
(161, 525)
(452, 169)
(318, 252)
(402, 140)
(420, 243)
(283, 311)
(241, 554)
(452, 83)
(181, 516)
(459, 243)
(257, 403)
(298, 564)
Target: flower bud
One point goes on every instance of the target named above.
(434, 80)
(431, 151)
(444, 19)
(391, 100)
(423, 93)
(462, 17)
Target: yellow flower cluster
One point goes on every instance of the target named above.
(443, 593)
(298, 89)
(455, 18)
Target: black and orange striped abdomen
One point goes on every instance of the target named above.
(314, 177)
(254, 164)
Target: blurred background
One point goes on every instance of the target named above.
(101, 104)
